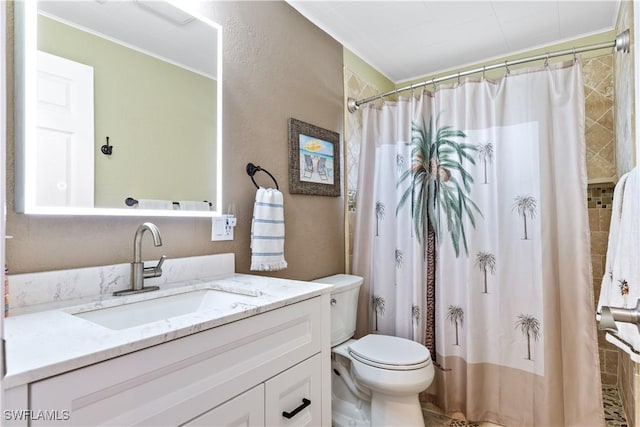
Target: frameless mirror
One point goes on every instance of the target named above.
(122, 108)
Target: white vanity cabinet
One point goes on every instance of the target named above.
(251, 372)
(289, 396)
(244, 410)
(285, 400)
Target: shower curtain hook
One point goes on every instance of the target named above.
(484, 69)
(506, 65)
(546, 61)
(458, 77)
(575, 58)
(435, 88)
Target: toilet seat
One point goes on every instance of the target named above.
(391, 353)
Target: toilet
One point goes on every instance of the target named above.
(376, 379)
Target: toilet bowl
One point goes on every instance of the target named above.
(377, 378)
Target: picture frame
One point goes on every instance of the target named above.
(314, 160)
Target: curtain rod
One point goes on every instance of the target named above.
(621, 44)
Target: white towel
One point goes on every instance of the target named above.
(267, 231)
(154, 204)
(624, 263)
(616, 211)
(190, 205)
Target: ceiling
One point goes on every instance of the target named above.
(153, 27)
(410, 39)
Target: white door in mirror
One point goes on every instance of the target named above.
(64, 151)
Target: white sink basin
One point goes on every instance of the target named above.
(161, 308)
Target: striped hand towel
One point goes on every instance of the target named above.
(267, 231)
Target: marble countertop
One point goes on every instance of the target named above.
(54, 341)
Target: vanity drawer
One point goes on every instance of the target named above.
(174, 382)
(293, 398)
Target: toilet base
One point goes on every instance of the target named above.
(346, 409)
(403, 410)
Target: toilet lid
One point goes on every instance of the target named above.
(389, 352)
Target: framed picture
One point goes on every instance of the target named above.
(314, 160)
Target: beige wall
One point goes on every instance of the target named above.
(276, 65)
(150, 109)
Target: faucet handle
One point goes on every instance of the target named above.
(158, 268)
(156, 271)
(160, 262)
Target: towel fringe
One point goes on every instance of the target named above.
(258, 266)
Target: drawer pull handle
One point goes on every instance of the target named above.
(289, 415)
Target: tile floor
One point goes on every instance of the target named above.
(613, 413)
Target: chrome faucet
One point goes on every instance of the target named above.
(138, 271)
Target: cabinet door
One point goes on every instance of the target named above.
(246, 410)
(293, 398)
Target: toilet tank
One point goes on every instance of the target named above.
(344, 305)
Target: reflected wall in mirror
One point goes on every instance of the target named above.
(122, 101)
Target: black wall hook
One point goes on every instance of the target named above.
(252, 169)
(107, 149)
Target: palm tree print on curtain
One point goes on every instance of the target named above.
(415, 314)
(435, 156)
(400, 162)
(485, 155)
(530, 328)
(379, 215)
(486, 261)
(398, 257)
(455, 314)
(378, 308)
(526, 206)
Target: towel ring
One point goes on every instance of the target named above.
(251, 171)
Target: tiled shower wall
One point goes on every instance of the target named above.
(599, 120)
(599, 198)
(601, 167)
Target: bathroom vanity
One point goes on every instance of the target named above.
(254, 351)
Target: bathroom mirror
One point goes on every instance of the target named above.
(122, 108)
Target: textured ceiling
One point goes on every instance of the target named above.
(408, 39)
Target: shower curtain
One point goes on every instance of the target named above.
(497, 169)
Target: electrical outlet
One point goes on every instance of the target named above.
(222, 228)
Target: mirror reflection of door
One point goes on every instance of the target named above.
(64, 152)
